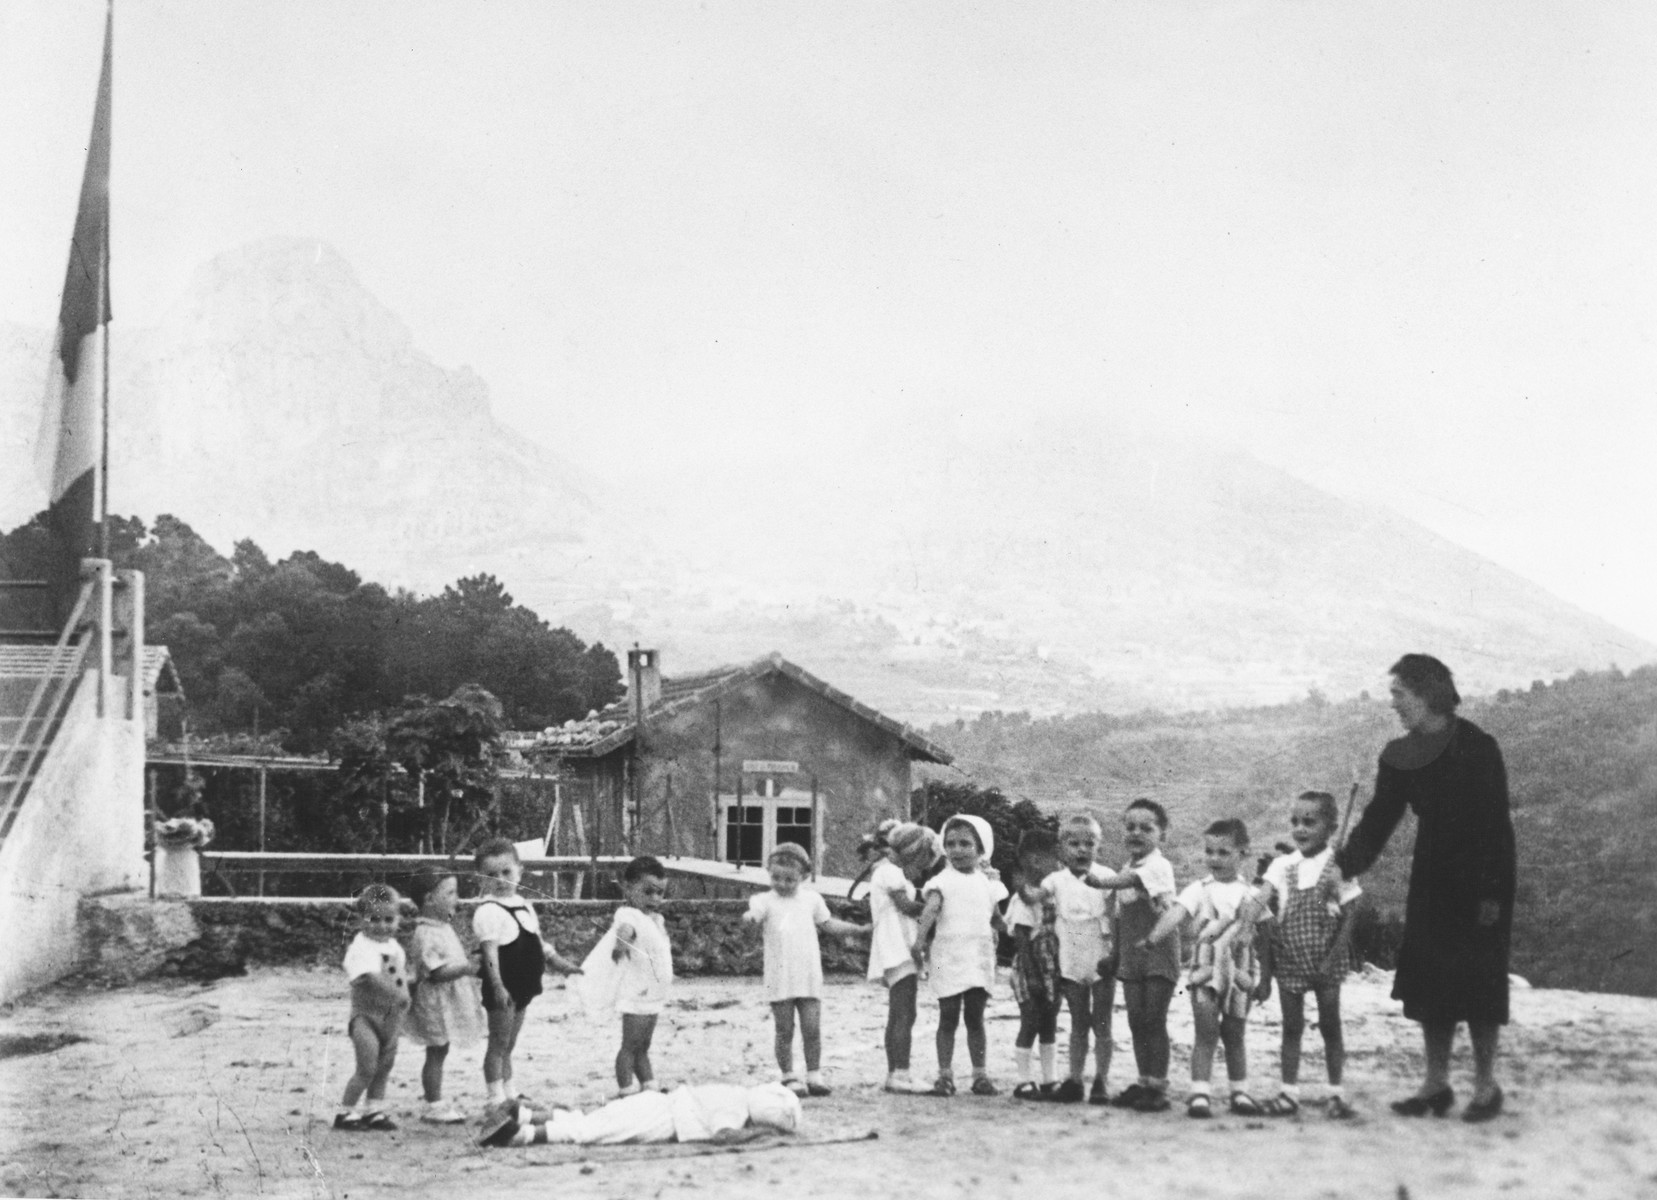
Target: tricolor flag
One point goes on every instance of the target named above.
(73, 450)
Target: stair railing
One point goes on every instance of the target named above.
(50, 698)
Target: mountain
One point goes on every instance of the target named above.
(1044, 564)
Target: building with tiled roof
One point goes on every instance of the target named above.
(724, 764)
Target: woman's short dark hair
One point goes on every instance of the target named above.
(1429, 679)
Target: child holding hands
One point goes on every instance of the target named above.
(514, 957)
(1035, 974)
(446, 1008)
(790, 919)
(378, 970)
(1224, 970)
(631, 969)
(1081, 918)
(910, 851)
(1310, 950)
(961, 908)
(1148, 974)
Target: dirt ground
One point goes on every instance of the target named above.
(229, 1089)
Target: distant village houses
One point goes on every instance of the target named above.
(725, 764)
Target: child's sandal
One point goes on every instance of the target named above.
(981, 1086)
(1028, 1090)
(1339, 1110)
(1245, 1105)
(944, 1086)
(1199, 1107)
(1281, 1105)
(379, 1122)
(349, 1122)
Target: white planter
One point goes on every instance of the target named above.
(177, 871)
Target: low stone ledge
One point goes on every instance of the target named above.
(709, 936)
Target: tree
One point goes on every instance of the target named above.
(427, 769)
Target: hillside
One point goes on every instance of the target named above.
(1581, 757)
(1045, 563)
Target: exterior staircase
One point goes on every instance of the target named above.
(37, 683)
(72, 719)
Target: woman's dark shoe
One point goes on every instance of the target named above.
(1419, 1106)
(1483, 1110)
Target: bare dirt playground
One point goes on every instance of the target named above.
(228, 1089)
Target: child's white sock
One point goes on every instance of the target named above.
(497, 1091)
(1291, 1090)
(1239, 1085)
(1049, 1062)
(814, 1077)
(1337, 1092)
(631, 1088)
(1021, 1063)
(1160, 1085)
(1201, 1088)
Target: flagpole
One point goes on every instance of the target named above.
(103, 306)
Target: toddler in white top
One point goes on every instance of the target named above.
(1224, 908)
(1086, 975)
(909, 853)
(790, 917)
(961, 905)
(378, 970)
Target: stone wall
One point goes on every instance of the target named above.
(709, 936)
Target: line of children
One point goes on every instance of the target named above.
(931, 919)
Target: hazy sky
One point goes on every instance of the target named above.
(1405, 249)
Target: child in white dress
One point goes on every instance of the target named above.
(960, 965)
(447, 1008)
(910, 852)
(630, 970)
(790, 918)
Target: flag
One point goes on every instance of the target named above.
(73, 448)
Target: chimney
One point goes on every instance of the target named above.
(644, 680)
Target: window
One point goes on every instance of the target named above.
(751, 827)
(745, 834)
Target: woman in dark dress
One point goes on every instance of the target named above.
(1458, 919)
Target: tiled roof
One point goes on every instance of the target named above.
(612, 728)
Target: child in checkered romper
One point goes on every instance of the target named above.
(1309, 950)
